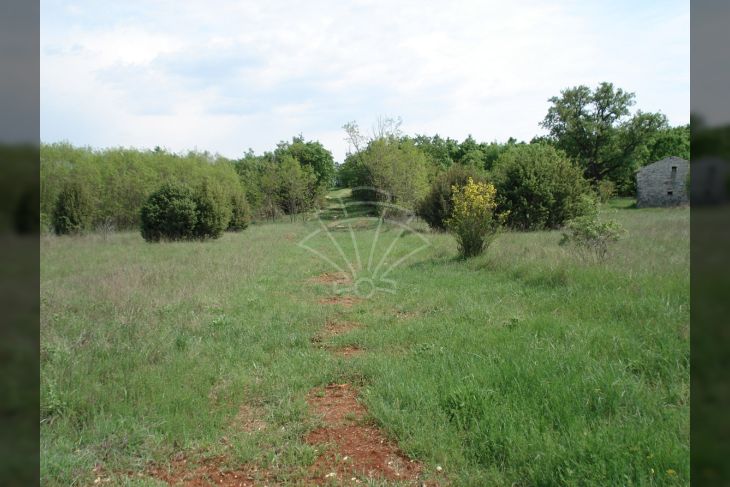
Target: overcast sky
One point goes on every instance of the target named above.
(227, 75)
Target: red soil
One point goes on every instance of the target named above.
(209, 472)
(353, 450)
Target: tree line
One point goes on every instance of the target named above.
(590, 132)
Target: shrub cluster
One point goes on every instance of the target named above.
(538, 186)
(176, 212)
(119, 181)
(436, 207)
(473, 220)
(72, 212)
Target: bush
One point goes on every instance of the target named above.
(72, 212)
(435, 208)
(605, 190)
(170, 213)
(591, 236)
(213, 211)
(240, 213)
(473, 221)
(538, 187)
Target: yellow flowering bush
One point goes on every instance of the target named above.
(473, 221)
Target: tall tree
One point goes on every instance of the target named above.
(597, 129)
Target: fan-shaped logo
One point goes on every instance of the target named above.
(364, 237)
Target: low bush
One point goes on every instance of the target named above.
(473, 220)
(72, 213)
(590, 236)
(538, 186)
(170, 213)
(435, 208)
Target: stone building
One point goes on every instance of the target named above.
(663, 183)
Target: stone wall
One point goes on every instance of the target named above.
(659, 185)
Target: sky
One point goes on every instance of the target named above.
(229, 75)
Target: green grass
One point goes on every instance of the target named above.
(524, 366)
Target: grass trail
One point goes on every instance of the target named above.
(523, 366)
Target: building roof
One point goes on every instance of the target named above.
(670, 159)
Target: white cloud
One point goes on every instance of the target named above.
(227, 75)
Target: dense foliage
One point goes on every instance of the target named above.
(594, 129)
(435, 207)
(240, 213)
(386, 167)
(290, 180)
(170, 213)
(309, 154)
(176, 212)
(119, 181)
(213, 211)
(473, 221)
(538, 186)
(73, 209)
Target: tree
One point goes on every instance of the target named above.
(240, 212)
(297, 186)
(269, 188)
(388, 162)
(596, 129)
(311, 154)
(443, 152)
(397, 169)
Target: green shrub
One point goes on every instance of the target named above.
(538, 186)
(473, 221)
(605, 189)
(170, 213)
(435, 208)
(240, 213)
(213, 211)
(72, 213)
(590, 236)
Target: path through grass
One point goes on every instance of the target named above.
(522, 366)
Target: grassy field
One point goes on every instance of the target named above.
(525, 366)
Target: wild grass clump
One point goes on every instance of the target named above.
(473, 221)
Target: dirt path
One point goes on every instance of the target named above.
(353, 450)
